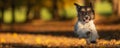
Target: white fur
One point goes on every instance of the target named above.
(81, 28)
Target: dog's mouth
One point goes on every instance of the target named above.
(86, 19)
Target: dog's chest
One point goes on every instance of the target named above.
(89, 26)
(84, 26)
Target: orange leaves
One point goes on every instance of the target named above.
(38, 40)
(15, 35)
(2, 40)
(52, 41)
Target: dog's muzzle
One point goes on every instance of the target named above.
(86, 18)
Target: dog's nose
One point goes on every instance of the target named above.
(86, 17)
(93, 42)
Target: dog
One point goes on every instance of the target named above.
(85, 27)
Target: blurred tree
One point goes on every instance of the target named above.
(2, 10)
(38, 3)
(29, 6)
(116, 7)
(13, 10)
(119, 8)
(63, 10)
(37, 13)
(55, 9)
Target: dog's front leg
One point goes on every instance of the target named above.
(93, 30)
(87, 41)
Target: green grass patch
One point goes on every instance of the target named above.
(7, 16)
(45, 14)
(103, 8)
(69, 12)
(20, 15)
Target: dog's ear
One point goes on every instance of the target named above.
(78, 6)
(90, 4)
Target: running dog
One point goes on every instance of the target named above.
(85, 27)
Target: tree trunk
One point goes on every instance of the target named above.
(55, 9)
(29, 5)
(2, 12)
(115, 6)
(37, 13)
(119, 8)
(13, 11)
(12, 3)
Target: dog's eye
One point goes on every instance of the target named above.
(83, 9)
(88, 9)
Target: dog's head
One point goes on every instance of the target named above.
(85, 13)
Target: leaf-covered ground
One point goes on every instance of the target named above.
(57, 39)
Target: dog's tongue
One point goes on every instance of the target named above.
(86, 21)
